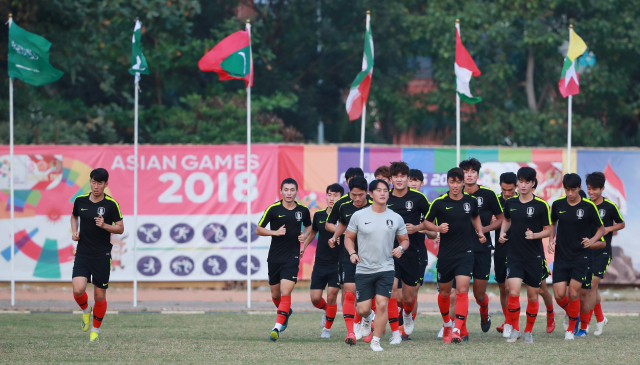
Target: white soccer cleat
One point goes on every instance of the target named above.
(568, 335)
(366, 326)
(506, 332)
(441, 332)
(357, 329)
(514, 336)
(326, 333)
(600, 326)
(408, 323)
(565, 322)
(324, 318)
(375, 346)
(396, 338)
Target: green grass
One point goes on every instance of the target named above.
(243, 338)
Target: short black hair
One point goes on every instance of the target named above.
(335, 188)
(374, 184)
(527, 174)
(416, 174)
(358, 182)
(456, 173)
(571, 181)
(289, 181)
(99, 175)
(596, 180)
(509, 178)
(383, 170)
(353, 172)
(472, 164)
(399, 167)
(582, 193)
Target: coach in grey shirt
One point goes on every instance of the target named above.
(376, 228)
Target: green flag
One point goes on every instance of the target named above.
(29, 58)
(138, 62)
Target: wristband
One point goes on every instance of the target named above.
(401, 248)
(355, 253)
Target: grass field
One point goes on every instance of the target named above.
(243, 338)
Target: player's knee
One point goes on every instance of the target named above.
(514, 293)
(99, 296)
(532, 298)
(78, 292)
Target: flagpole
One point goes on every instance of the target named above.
(364, 112)
(569, 122)
(249, 234)
(136, 89)
(457, 120)
(11, 234)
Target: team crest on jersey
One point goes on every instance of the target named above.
(389, 223)
(580, 213)
(299, 216)
(480, 201)
(408, 205)
(530, 211)
(357, 295)
(101, 211)
(602, 213)
(508, 270)
(467, 207)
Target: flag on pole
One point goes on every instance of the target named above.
(138, 62)
(568, 83)
(29, 58)
(359, 92)
(231, 58)
(465, 67)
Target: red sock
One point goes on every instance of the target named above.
(394, 313)
(573, 312)
(444, 303)
(532, 313)
(585, 319)
(564, 303)
(408, 308)
(349, 311)
(283, 309)
(463, 330)
(514, 311)
(357, 318)
(332, 309)
(99, 310)
(82, 300)
(276, 302)
(550, 312)
(322, 305)
(413, 316)
(462, 309)
(597, 310)
(484, 308)
(507, 316)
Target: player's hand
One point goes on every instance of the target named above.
(301, 252)
(99, 221)
(552, 246)
(338, 240)
(528, 234)
(332, 242)
(301, 237)
(482, 238)
(397, 252)
(281, 231)
(443, 228)
(76, 236)
(411, 229)
(437, 240)
(586, 242)
(493, 218)
(355, 259)
(503, 237)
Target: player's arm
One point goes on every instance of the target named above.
(403, 240)
(305, 234)
(115, 228)
(350, 245)
(75, 235)
(544, 217)
(333, 217)
(307, 241)
(308, 226)
(506, 224)
(477, 224)
(617, 217)
(553, 217)
(496, 208)
(431, 234)
(336, 235)
(431, 217)
(262, 231)
(596, 242)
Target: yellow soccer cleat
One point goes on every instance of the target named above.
(86, 318)
(93, 336)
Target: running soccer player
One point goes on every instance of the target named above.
(359, 200)
(453, 212)
(508, 182)
(526, 222)
(326, 270)
(376, 228)
(100, 216)
(488, 206)
(411, 205)
(334, 215)
(383, 173)
(285, 219)
(613, 221)
(573, 219)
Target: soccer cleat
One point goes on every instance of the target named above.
(568, 335)
(286, 321)
(500, 328)
(565, 322)
(600, 326)
(86, 318)
(486, 326)
(514, 336)
(441, 332)
(326, 333)
(506, 332)
(447, 332)
(93, 336)
(366, 327)
(465, 338)
(274, 335)
(357, 329)
(396, 339)
(551, 324)
(367, 339)
(351, 339)
(576, 327)
(375, 346)
(528, 337)
(324, 318)
(408, 323)
(581, 333)
(455, 336)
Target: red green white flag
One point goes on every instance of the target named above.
(359, 92)
(231, 58)
(569, 84)
(465, 67)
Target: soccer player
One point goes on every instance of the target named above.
(334, 215)
(526, 222)
(411, 205)
(285, 219)
(359, 200)
(376, 228)
(454, 211)
(488, 206)
(613, 221)
(573, 219)
(100, 216)
(508, 182)
(326, 270)
(383, 173)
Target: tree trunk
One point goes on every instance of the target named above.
(531, 93)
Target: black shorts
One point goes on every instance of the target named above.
(283, 270)
(96, 270)
(408, 269)
(532, 272)
(348, 274)
(579, 270)
(424, 262)
(482, 265)
(600, 265)
(500, 268)
(370, 285)
(448, 269)
(325, 274)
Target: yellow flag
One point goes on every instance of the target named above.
(576, 47)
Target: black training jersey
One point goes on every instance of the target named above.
(287, 247)
(324, 253)
(575, 222)
(346, 211)
(501, 249)
(95, 242)
(610, 215)
(334, 215)
(488, 206)
(411, 207)
(533, 215)
(457, 213)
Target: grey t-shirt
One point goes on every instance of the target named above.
(376, 232)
